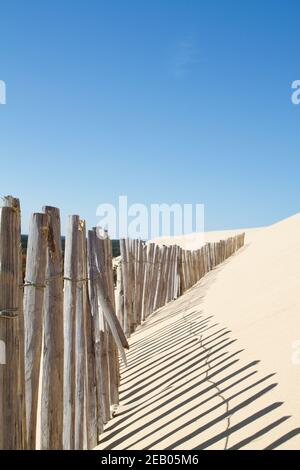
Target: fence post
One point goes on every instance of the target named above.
(120, 295)
(113, 300)
(35, 278)
(95, 326)
(146, 267)
(133, 248)
(165, 277)
(160, 278)
(107, 281)
(10, 410)
(126, 285)
(137, 281)
(80, 347)
(52, 381)
(105, 342)
(153, 286)
(70, 295)
(140, 286)
(13, 202)
(169, 277)
(90, 376)
(107, 305)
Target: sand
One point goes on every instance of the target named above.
(219, 368)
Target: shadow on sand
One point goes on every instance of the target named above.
(187, 386)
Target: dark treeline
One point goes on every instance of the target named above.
(115, 245)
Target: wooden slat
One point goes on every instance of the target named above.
(35, 278)
(126, 285)
(120, 295)
(52, 382)
(70, 304)
(112, 348)
(90, 377)
(95, 327)
(10, 425)
(10, 201)
(80, 346)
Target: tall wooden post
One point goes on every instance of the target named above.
(14, 203)
(120, 295)
(52, 381)
(10, 411)
(70, 303)
(35, 278)
(125, 258)
(90, 380)
(101, 389)
(107, 283)
(80, 357)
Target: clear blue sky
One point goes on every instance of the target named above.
(164, 101)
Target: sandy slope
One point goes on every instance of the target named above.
(217, 369)
(194, 241)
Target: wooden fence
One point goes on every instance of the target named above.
(149, 276)
(60, 336)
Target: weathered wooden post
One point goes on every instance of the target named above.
(120, 295)
(10, 201)
(181, 272)
(101, 387)
(133, 275)
(34, 284)
(105, 339)
(153, 287)
(113, 301)
(165, 276)
(137, 283)
(126, 285)
(80, 346)
(102, 309)
(52, 381)
(90, 376)
(176, 275)
(113, 359)
(196, 265)
(140, 280)
(169, 274)
(146, 257)
(160, 278)
(10, 342)
(70, 297)
(104, 385)
(188, 267)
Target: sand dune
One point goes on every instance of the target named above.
(194, 241)
(218, 368)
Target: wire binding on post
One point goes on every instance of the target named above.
(9, 313)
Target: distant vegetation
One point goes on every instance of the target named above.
(116, 248)
(115, 245)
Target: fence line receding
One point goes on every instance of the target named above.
(65, 318)
(149, 276)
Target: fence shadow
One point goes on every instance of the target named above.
(187, 386)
